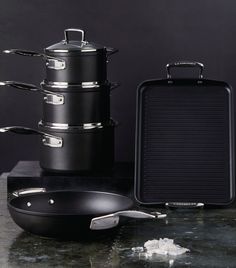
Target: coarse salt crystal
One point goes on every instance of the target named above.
(164, 246)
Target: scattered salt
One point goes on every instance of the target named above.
(138, 249)
(164, 246)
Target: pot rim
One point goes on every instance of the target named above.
(85, 126)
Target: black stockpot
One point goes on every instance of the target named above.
(73, 62)
(81, 104)
(72, 104)
(88, 148)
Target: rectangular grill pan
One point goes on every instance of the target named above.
(184, 141)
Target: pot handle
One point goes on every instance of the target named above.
(66, 34)
(195, 64)
(111, 51)
(47, 139)
(112, 220)
(20, 85)
(50, 97)
(23, 52)
(51, 62)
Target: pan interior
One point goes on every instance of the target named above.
(71, 203)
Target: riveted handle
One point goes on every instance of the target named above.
(188, 64)
(51, 62)
(20, 85)
(50, 97)
(67, 31)
(23, 52)
(47, 139)
(28, 191)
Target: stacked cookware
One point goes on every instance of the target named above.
(77, 133)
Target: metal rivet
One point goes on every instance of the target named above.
(51, 201)
(28, 204)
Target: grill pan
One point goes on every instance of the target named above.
(184, 141)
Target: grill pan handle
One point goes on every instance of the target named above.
(188, 64)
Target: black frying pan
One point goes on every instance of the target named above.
(70, 213)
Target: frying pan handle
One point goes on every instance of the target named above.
(135, 214)
(23, 52)
(47, 139)
(51, 62)
(188, 64)
(112, 220)
(66, 34)
(28, 191)
(50, 97)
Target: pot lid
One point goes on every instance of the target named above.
(79, 46)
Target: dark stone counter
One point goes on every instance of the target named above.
(210, 234)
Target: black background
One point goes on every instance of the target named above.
(149, 34)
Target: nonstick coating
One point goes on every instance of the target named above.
(64, 213)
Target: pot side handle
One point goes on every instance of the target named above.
(23, 52)
(47, 139)
(20, 85)
(50, 97)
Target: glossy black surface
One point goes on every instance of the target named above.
(185, 142)
(68, 216)
(81, 105)
(86, 67)
(83, 150)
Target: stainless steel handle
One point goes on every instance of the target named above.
(20, 85)
(112, 220)
(50, 96)
(28, 191)
(47, 139)
(66, 34)
(51, 62)
(134, 214)
(23, 52)
(190, 64)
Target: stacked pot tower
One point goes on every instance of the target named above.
(77, 133)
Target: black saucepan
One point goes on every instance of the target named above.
(73, 61)
(72, 105)
(70, 213)
(87, 148)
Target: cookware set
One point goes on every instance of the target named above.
(77, 133)
(184, 141)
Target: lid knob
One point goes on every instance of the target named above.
(66, 34)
